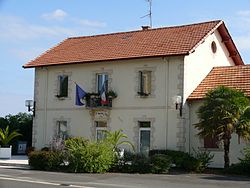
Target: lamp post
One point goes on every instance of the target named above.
(31, 106)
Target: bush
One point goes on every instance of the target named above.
(204, 158)
(124, 163)
(160, 163)
(243, 167)
(239, 169)
(141, 163)
(29, 150)
(246, 154)
(182, 160)
(86, 156)
(46, 160)
(178, 158)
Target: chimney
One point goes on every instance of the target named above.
(146, 27)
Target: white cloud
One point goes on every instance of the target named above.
(55, 15)
(14, 28)
(90, 23)
(60, 15)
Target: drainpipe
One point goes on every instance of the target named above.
(166, 60)
(189, 127)
(45, 105)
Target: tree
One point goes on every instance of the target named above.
(225, 111)
(21, 122)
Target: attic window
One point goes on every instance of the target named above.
(213, 47)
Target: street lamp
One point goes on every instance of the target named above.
(31, 106)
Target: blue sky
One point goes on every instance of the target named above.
(29, 27)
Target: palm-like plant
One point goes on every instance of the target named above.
(6, 136)
(116, 138)
(225, 111)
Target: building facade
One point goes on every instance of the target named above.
(153, 72)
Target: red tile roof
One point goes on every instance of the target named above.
(237, 77)
(168, 41)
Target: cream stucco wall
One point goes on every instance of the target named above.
(199, 63)
(128, 108)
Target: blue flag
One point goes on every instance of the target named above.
(80, 93)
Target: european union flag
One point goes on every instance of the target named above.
(80, 93)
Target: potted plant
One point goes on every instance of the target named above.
(5, 137)
(111, 94)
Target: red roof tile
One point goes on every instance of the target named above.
(178, 40)
(237, 77)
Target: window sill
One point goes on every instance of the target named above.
(61, 98)
(139, 95)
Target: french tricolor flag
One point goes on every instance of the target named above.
(103, 95)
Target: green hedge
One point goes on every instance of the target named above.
(160, 163)
(197, 162)
(46, 160)
(139, 163)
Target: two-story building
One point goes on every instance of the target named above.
(152, 71)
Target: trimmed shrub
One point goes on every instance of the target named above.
(178, 158)
(160, 163)
(141, 164)
(182, 160)
(86, 156)
(46, 160)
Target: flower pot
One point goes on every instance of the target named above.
(5, 152)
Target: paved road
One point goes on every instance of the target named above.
(10, 178)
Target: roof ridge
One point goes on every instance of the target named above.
(149, 30)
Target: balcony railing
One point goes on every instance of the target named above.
(95, 102)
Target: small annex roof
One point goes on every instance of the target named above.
(237, 77)
(167, 41)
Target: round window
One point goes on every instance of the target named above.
(213, 47)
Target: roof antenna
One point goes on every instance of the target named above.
(149, 13)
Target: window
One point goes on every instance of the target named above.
(63, 86)
(144, 83)
(101, 128)
(213, 47)
(211, 142)
(62, 129)
(101, 79)
(144, 136)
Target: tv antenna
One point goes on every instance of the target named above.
(149, 13)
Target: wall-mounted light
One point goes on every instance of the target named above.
(178, 103)
(31, 106)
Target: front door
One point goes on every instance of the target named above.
(144, 140)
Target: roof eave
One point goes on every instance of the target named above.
(98, 61)
(229, 43)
